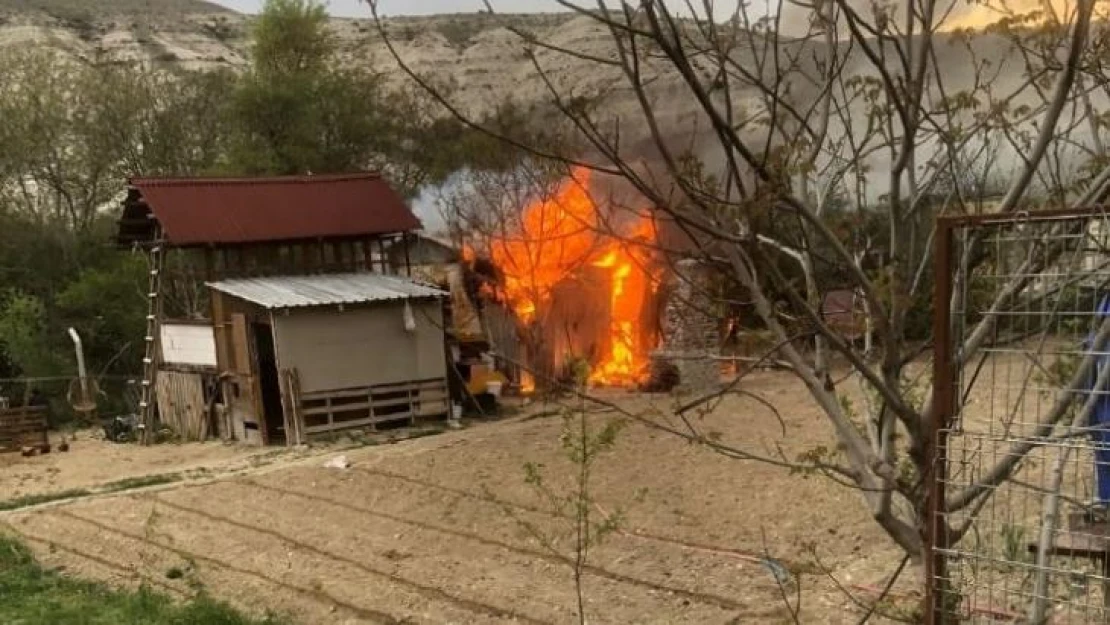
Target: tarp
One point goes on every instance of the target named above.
(1100, 416)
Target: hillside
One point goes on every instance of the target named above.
(477, 56)
(472, 51)
(64, 8)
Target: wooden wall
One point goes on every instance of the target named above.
(22, 427)
(363, 346)
(231, 321)
(353, 367)
(182, 405)
(301, 257)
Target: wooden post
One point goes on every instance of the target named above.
(298, 418)
(382, 262)
(1106, 584)
(219, 330)
(408, 263)
(937, 584)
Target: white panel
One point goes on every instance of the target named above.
(361, 347)
(184, 344)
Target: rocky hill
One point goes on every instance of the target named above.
(474, 52)
(477, 55)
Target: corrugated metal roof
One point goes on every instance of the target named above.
(213, 211)
(324, 290)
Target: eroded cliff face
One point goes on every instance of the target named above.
(479, 59)
(475, 54)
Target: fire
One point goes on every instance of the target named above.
(557, 236)
(559, 239)
(630, 287)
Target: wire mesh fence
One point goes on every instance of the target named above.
(1026, 447)
(70, 405)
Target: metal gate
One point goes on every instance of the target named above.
(1016, 528)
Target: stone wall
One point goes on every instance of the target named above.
(691, 333)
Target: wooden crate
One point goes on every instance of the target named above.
(23, 427)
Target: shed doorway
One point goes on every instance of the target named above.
(269, 384)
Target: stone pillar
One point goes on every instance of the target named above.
(691, 333)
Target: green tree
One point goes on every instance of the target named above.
(106, 305)
(299, 110)
(24, 335)
(278, 104)
(291, 37)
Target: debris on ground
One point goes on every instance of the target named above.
(339, 462)
(121, 429)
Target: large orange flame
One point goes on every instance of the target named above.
(558, 238)
(631, 286)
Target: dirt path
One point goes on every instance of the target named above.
(443, 530)
(93, 461)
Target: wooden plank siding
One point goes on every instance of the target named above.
(329, 411)
(181, 404)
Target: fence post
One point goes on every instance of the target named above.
(936, 527)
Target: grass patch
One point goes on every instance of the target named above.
(130, 483)
(143, 481)
(41, 498)
(35, 596)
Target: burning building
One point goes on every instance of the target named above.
(582, 279)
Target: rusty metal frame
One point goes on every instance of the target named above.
(935, 530)
(944, 381)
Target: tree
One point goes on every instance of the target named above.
(107, 306)
(856, 105)
(300, 110)
(24, 335)
(291, 38)
(73, 133)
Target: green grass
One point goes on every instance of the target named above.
(125, 484)
(33, 595)
(131, 483)
(41, 498)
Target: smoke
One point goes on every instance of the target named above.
(426, 208)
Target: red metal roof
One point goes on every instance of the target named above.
(203, 211)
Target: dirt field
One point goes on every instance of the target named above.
(409, 532)
(93, 461)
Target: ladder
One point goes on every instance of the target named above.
(152, 339)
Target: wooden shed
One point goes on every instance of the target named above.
(297, 321)
(319, 353)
